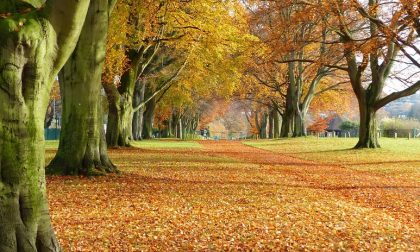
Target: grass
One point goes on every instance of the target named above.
(261, 196)
(51, 144)
(400, 157)
(166, 144)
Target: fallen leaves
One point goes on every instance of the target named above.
(226, 196)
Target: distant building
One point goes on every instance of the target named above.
(334, 126)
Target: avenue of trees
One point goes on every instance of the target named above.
(174, 65)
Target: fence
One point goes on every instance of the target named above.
(231, 135)
(403, 133)
(52, 134)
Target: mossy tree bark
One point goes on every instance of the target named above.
(81, 151)
(33, 47)
(120, 115)
(120, 99)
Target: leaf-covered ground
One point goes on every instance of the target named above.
(266, 195)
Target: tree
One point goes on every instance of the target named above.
(141, 43)
(83, 149)
(320, 124)
(297, 64)
(36, 39)
(382, 34)
(199, 34)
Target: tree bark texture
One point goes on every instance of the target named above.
(149, 116)
(138, 115)
(120, 102)
(368, 134)
(81, 151)
(33, 48)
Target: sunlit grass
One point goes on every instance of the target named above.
(51, 144)
(166, 144)
(397, 156)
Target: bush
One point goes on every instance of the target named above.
(399, 124)
(349, 126)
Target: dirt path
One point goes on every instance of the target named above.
(397, 197)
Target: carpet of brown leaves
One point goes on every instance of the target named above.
(229, 196)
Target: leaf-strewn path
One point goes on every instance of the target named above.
(395, 196)
(229, 196)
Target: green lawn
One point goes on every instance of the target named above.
(146, 144)
(51, 144)
(166, 144)
(397, 156)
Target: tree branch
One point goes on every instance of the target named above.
(396, 95)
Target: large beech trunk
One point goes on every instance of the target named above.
(368, 135)
(24, 219)
(82, 150)
(33, 47)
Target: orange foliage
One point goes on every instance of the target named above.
(319, 125)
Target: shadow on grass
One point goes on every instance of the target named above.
(305, 185)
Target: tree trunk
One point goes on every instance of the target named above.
(299, 125)
(287, 116)
(368, 135)
(170, 127)
(286, 125)
(276, 126)
(271, 125)
(184, 126)
(179, 131)
(263, 126)
(138, 115)
(33, 47)
(149, 116)
(120, 116)
(24, 219)
(79, 151)
(120, 103)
